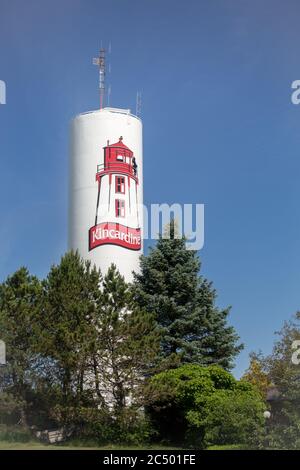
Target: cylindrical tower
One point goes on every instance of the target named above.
(106, 189)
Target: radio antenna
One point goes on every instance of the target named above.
(100, 62)
(138, 110)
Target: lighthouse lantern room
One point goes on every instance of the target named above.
(119, 173)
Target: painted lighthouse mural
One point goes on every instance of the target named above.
(117, 219)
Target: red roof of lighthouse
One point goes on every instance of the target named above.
(119, 145)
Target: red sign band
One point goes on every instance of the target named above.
(110, 233)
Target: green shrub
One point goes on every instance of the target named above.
(229, 417)
(10, 409)
(129, 426)
(203, 406)
(14, 434)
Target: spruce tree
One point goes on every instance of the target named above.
(194, 329)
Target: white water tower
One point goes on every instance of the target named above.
(106, 189)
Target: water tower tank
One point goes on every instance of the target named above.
(106, 189)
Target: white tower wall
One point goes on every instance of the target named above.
(89, 135)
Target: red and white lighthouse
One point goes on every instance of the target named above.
(117, 209)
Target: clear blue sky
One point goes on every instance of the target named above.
(219, 129)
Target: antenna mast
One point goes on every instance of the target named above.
(138, 110)
(100, 62)
(109, 72)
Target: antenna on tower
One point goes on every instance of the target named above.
(108, 95)
(138, 110)
(109, 72)
(100, 62)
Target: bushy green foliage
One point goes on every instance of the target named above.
(204, 405)
(78, 348)
(257, 376)
(14, 433)
(81, 350)
(10, 408)
(129, 426)
(68, 304)
(230, 416)
(19, 314)
(127, 344)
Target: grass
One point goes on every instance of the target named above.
(227, 447)
(35, 445)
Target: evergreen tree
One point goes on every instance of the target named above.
(169, 286)
(127, 343)
(19, 312)
(67, 333)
